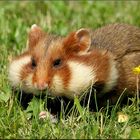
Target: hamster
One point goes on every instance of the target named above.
(69, 66)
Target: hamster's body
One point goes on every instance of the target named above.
(68, 66)
(124, 42)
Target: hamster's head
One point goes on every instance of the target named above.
(63, 69)
(22, 67)
(54, 63)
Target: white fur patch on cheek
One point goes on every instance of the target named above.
(57, 86)
(82, 76)
(28, 86)
(15, 69)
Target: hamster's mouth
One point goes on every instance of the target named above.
(38, 92)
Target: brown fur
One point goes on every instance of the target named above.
(35, 35)
(27, 69)
(124, 42)
(45, 71)
(72, 44)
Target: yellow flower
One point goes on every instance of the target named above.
(136, 70)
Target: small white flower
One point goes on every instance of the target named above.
(46, 115)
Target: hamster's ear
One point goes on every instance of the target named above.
(35, 34)
(83, 37)
(78, 42)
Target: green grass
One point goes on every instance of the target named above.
(60, 17)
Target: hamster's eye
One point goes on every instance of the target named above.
(57, 62)
(33, 63)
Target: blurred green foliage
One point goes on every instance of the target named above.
(59, 17)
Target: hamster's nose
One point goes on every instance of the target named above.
(41, 85)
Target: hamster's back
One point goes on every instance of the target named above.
(118, 38)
